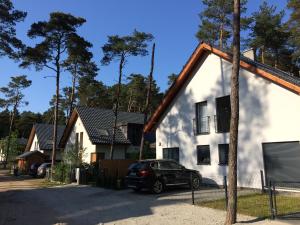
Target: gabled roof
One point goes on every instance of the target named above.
(30, 153)
(274, 75)
(44, 133)
(98, 124)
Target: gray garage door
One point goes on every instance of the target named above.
(282, 161)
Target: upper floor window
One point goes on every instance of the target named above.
(223, 154)
(81, 141)
(203, 155)
(222, 119)
(202, 118)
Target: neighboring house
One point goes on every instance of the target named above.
(41, 139)
(90, 129)
(192, 122)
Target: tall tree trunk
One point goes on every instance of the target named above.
(55, 113)
(147, 102)
(234, 122)
(276, 59)
(130, 101)
(263, 54)
(72, 93)
(221, 36)
(122, 60)
(11, 123)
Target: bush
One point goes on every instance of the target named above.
(62, 173)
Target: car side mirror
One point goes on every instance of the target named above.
(182, 167)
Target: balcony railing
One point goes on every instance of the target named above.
(201, 125)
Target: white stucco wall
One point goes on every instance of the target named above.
(87, 144)
(32, 147)
(268, 113)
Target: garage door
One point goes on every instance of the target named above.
(282, 161)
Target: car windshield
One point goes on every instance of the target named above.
(138, 166)
(45, 165)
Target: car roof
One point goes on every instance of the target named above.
(157, 160)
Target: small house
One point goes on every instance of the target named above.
(193, 121)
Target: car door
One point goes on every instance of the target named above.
(181, 174)
(167, 172)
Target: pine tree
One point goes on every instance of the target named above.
(79, 63)
(54, 38)
(120, 48)
(268, 34)
(293, 27)
(10, 45)
(13, 100)
(216, 22)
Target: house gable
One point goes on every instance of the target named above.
(278, 77)
(268, 113)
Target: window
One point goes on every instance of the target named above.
(77, 141)
(222, 119)
(96, 156)
(203, 155)
(223, 154)
(202, 120)
(171, 153)
(81, 141)
(168, 165)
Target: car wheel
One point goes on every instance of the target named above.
(196, 183)
(157, 187)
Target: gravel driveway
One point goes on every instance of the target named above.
(84, 205)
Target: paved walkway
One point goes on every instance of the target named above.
(23, 203)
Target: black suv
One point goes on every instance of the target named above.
(156, 175)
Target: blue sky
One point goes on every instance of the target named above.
(173, 24)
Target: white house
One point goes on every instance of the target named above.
(41, 139)
(90, 129)
(192, 122)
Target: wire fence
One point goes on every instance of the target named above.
(274, 200)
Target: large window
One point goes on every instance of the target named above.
(203, 155)
(202, 119)
(222, 120)
(171, 153)
(223, 154)
(81, 141)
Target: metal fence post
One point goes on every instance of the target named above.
(271, 201)
(192, 187)
(275, 203)
(262, 182)
(225, 190)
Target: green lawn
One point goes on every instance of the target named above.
(257, 205)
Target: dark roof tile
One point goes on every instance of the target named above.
(99, 122)
(44, 134)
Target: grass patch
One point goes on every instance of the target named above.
(257, 205)
(46, 184)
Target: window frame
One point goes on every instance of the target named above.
(198, 123)
(223, 163)
(222, 123)
(198, 148)
(171, 148)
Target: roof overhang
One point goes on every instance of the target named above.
(71, 122)
(197, 55)
(30, 139)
